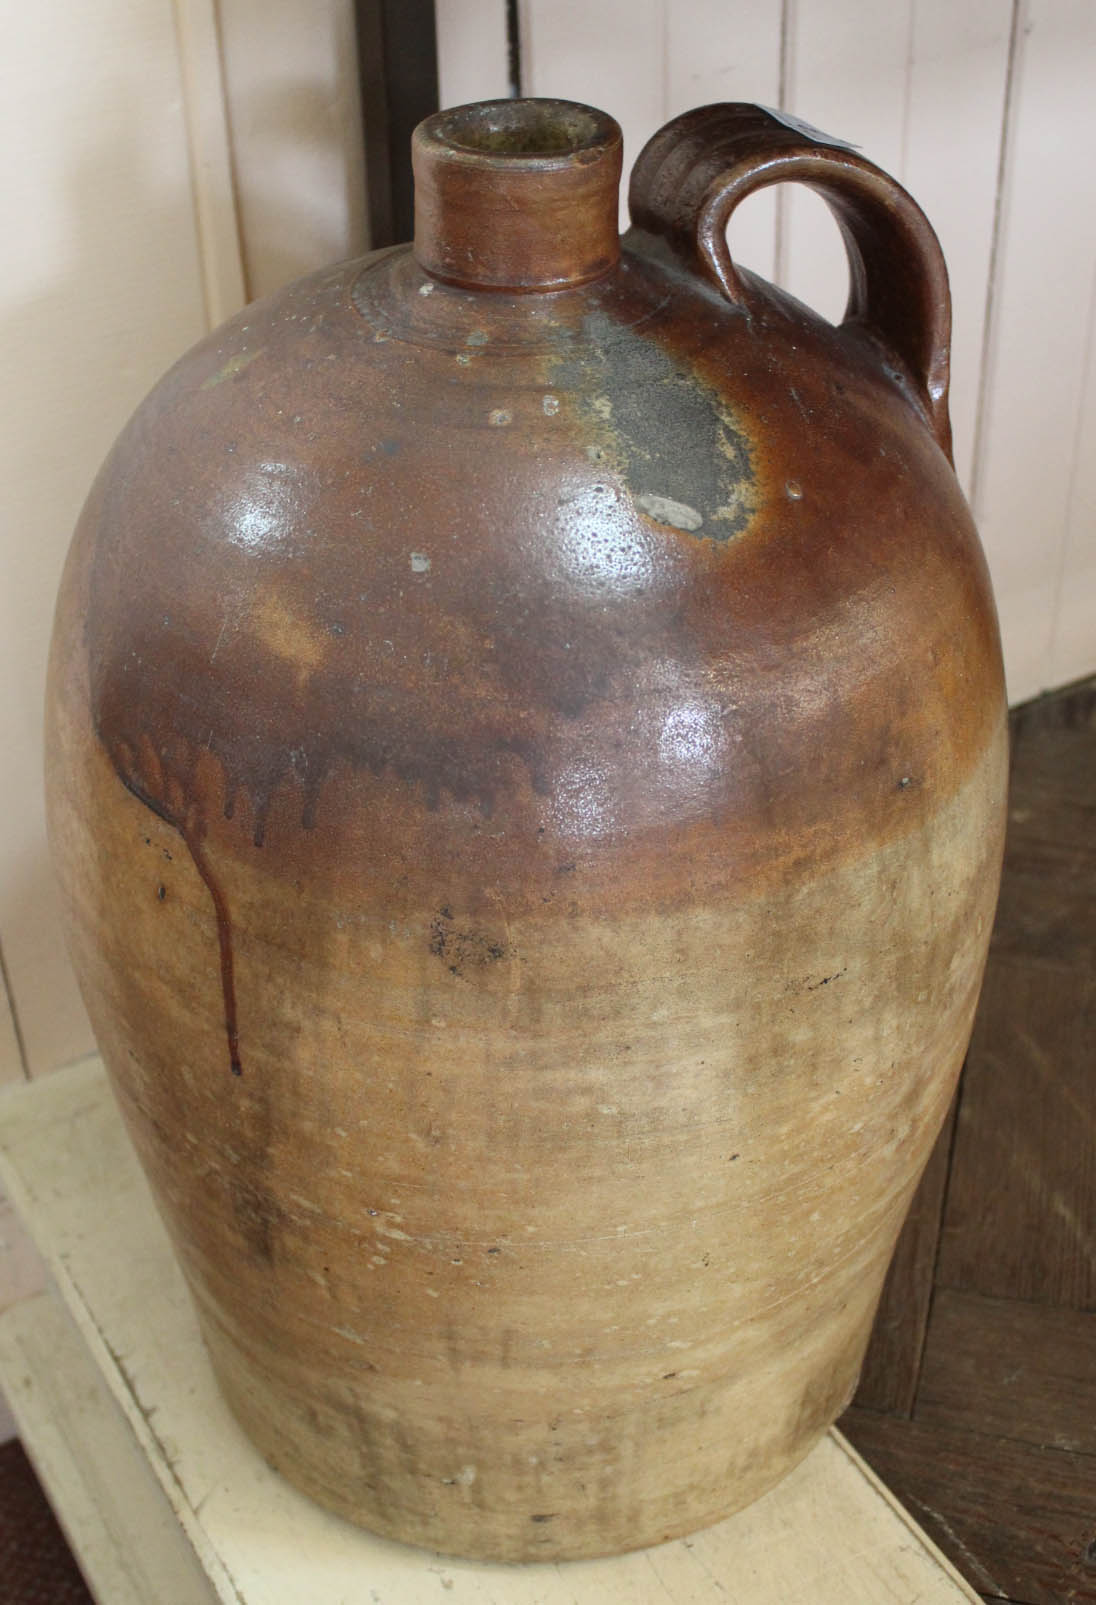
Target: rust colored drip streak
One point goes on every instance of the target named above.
(192, 831)
(193, 836)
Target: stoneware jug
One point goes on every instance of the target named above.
(526, 773)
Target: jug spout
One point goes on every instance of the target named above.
(517, 194)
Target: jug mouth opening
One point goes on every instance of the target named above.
(523, 130)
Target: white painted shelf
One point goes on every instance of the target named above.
(113, 1394)
(115, 1515)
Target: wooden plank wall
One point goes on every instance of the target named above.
(294, 124)
(985, 111)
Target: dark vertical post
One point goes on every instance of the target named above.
(398, 66)
(513, 48)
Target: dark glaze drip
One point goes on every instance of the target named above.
(193, 834)
(191, 828)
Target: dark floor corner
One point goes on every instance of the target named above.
(36, 1567)
(978, 1402)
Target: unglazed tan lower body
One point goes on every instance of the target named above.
(557, 1256)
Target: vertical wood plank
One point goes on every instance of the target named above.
(608, 53)
(210, 160)
(398, 61)
(100, 289)
(958, 76)
(473, 61)
(848, 68)
(1036, 376)
(645, 63)
(1073, 642)
(291, 87)
(729, 50)
(921, 88)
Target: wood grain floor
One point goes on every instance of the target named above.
(978, 1401)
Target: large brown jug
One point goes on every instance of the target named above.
(526, 768)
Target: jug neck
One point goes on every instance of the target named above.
(517, 194)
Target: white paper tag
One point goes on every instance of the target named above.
(808, 130)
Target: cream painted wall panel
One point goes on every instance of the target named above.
(954, 126)
(291, 80)
(608, 53)
(920, 87)
(206, 118)
(1073, 646)
(846, 74)
(646, 62)
(729, 50)
(100, 289)
(473, 56)
(1034, 454)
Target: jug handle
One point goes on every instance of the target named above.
(692, 174)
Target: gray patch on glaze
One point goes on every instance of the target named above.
(664, 511)
(665, 431)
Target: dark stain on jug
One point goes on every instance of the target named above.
(673, 441)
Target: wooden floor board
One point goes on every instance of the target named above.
(1042, 926)
(1048, 892)
(893, 1362)
(1021, 1213)
(1018, 1520)
(1015, 1370)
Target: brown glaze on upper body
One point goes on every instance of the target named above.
(526, 770)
